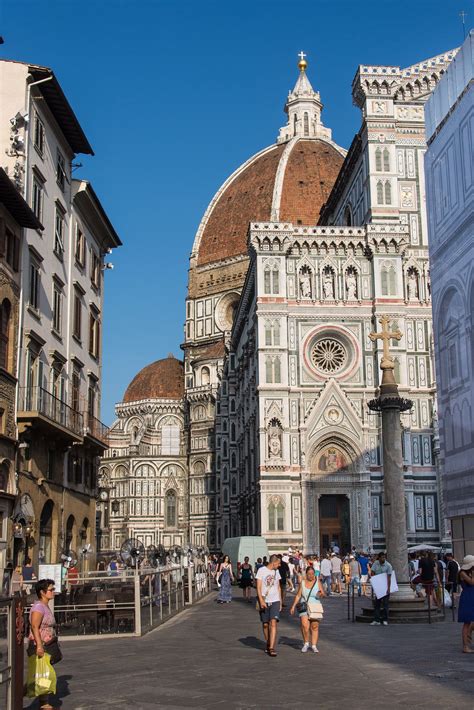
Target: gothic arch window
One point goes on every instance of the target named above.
(268, 333)
(170, 509)
(276, 515)
(380, 192)
(271, 279)
(205, 376)
(226, 496)
(232, 432)
(306, 124)
(348, 216)
(388, 193)
(233, 460)
(199, 412)
(394, 343)
(170, 438)
(378, 160)
(234, 486)
(386, 160)
(224, 449)
(388, 280)
(5, 311)
(268, 369)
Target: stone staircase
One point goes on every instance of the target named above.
(410, 611)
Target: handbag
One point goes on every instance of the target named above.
(302, 606)
(315, 610)
(52, 648)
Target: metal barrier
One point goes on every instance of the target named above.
(350, 602)
(129, 603)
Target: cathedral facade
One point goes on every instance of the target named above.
(298, 255)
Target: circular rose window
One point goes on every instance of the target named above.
(329, 355)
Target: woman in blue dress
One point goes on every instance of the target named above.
(310, 589)
(466, 602)
(225, 578)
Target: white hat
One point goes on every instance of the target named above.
(468, 562)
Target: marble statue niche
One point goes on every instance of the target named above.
(351, 285)
(328, 284)
(305, 282)
(274, 439)
(412, 285)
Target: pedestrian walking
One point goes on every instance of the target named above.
(355, 574)
(42, 638)
(364, 571)
(326, 573)
(336, 565)
(381, 566)
(269, 601)
(310, 590)
(429, 576)
(284, 576)
(246, 579)
(225, 577)
(452, 573)
(466, 602)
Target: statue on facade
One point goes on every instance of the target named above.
(305, 284)
(274, 440)
(412, 286)
(351, 286)
(328, 286)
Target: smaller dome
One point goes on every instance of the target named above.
(163, 379)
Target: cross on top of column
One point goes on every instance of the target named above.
(385, 336)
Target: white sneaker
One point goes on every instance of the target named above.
(385, 623)
(375, 623)
(315, 649)
(305, 648)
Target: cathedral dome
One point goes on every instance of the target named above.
(286, 182)
(163, 379)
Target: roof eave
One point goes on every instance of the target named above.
(86, 199)
(61, 109)
(16, 205)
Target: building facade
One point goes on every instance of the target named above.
(59, 344)
(298, 255)
(15, 215)
(449, 169)
(144, 474)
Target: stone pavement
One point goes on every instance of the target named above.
(211, 656)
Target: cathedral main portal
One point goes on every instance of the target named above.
(334, 522)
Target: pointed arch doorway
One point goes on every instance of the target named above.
(334, 522)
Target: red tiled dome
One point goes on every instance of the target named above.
(306, 170)
(163, 379)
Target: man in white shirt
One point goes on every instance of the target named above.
(325, 569)
(269, 601)
(336, 565)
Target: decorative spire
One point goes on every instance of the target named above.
(304, 109)
(302, 64)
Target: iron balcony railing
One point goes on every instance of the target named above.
(40, 401)
(95, 428)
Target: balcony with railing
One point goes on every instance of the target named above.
(38, 407)
(96, 431)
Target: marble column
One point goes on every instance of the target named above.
(390, 404)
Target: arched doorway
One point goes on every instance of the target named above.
(45, 548)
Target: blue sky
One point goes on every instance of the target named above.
(174, 95)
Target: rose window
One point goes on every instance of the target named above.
(329, 355)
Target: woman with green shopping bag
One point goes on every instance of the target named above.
(43, 648)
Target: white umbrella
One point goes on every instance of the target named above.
(424, 548)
